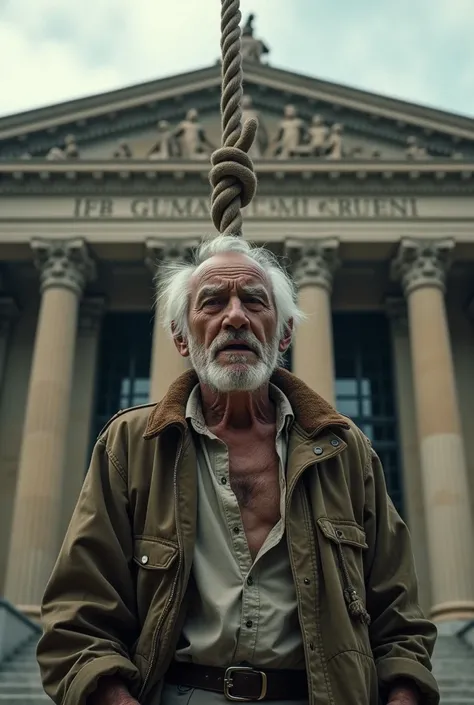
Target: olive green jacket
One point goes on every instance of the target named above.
(117, 596)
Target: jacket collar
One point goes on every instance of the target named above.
(312, 412)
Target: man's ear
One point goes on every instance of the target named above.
(287, 336)
(180, 341)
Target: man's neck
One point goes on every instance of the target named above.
(232, 411)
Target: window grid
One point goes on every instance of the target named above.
(364, 387)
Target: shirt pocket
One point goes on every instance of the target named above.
(349, 543)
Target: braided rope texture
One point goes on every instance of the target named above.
(232, 175)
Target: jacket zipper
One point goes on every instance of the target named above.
(170, 601)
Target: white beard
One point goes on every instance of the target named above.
(239, 373)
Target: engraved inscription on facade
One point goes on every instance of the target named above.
(261, 208)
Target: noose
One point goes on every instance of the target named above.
(232, 174)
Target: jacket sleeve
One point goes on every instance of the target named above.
(88, 610)
(402, 638)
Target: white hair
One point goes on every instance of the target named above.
(173, 279)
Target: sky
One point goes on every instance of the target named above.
(56, 50)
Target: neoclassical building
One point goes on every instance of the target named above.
(369, 202)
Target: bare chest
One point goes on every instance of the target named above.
(254, 479)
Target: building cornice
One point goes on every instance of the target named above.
(433, 177)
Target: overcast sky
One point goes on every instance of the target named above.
(55, 50)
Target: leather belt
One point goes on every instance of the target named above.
(241, 683)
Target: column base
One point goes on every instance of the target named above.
(459, 611)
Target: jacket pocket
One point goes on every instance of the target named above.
(154, 554)
(349, 541)
(155, 567)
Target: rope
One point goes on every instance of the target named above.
(232, 174)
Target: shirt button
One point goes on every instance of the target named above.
(224, 480)
(236, 530)
(306, 581)
(311, 646)
(249, 623)
(250, 580)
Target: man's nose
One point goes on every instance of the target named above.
(235, 315)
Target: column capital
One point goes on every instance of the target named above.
(168, 250)
(397, 311)
(91, 312)
(313, 262)
(422, 263)
(63, 263)
(8, 312)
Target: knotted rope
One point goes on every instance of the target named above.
(232, 174)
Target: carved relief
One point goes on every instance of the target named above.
(192, 139)
(123, 151)
(260, 144)
(295, 139)
(422, 263)
(414, 150)
(290, 135)
(314, 261)
(252, 49)
(166, 146)
(63, 263)
(69, 151)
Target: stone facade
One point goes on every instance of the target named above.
(370, 204)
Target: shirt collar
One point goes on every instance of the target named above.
(285, 415)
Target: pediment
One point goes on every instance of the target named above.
(153, 120)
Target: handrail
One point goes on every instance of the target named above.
(461, 634)
(16, 630)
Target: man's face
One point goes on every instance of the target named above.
(232, 324)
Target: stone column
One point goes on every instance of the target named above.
(8, 313)
(83, 404)
(413, 498)
(64, 268)
(314, 263)
(422, 266)
(166, 363)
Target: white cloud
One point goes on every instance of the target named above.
(59, 50)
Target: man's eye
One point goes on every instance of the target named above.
(212, 302)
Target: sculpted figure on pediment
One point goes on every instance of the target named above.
(335, 141)
(123, 151)
(252, 49)
(414, 150)
(290, 136)
(69, 151)
(166, 145)
(192, 139)
(260, 143)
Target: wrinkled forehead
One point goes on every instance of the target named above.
(230, 270)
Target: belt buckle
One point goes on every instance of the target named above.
(228, 683)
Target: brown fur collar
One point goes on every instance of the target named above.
(312, 412)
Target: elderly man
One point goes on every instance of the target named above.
(234, 541)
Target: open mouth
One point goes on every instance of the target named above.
(239, 346)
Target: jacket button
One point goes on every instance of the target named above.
(306, 581)
(335, 442)
(339, 534)
(144, 560)
(318, 450)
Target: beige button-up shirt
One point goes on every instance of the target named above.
(244, 610)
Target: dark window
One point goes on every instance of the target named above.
(364, 386)
(124, 364)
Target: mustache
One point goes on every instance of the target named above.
(225, 338)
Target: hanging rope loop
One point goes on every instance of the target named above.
(232, 175)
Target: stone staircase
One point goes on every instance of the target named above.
(453, 666)
(20, 682)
